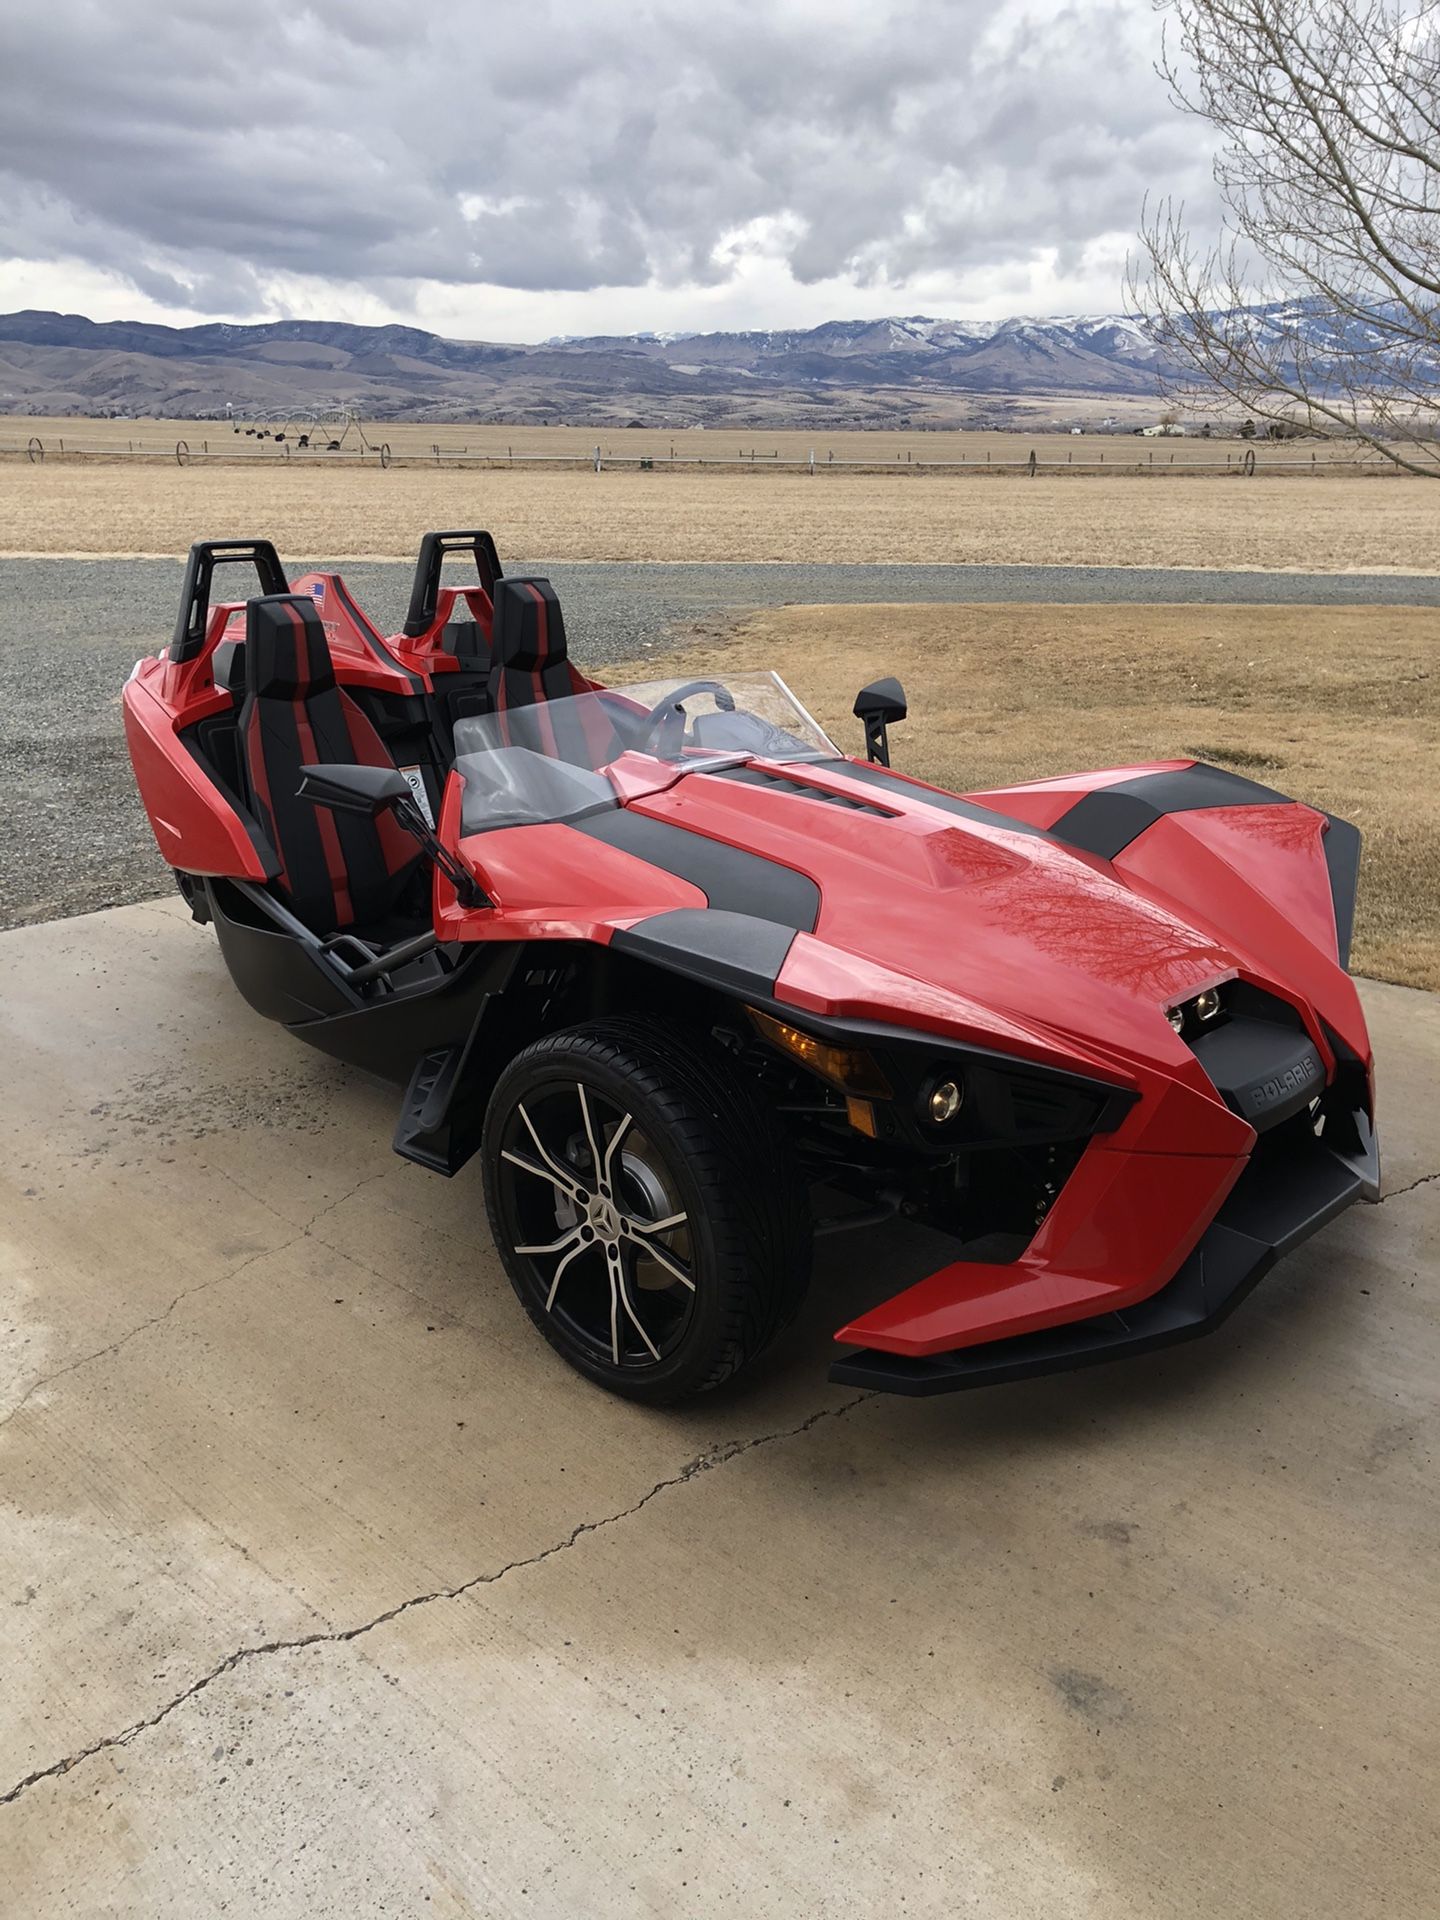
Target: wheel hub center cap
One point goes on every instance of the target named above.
(604, 1218)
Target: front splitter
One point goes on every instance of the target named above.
(1289, 1191)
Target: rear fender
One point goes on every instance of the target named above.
(196, 827)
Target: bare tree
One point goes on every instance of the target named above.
(1318, 303)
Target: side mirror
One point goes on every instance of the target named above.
(875, 707)
(369, 791)
(346, 789)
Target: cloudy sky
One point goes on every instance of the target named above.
(499, 169)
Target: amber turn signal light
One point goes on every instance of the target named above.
(847, 1068)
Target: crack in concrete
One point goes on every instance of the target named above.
(185, 1293)
(1425, 1180)
(132, 1333)
(341, 1636)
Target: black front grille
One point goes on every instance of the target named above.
(1260, 1058)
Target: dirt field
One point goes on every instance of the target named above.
(1322, 524)
(1340, 707)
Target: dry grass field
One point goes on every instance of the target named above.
(1324, 524)
(409, 439)
(1340, 707)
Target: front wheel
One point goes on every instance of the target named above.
(646, 1206)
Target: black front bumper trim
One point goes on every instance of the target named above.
(1291, 1189)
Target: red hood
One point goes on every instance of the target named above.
(989, 913)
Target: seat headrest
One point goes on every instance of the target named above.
(286, 652)
(529, 626)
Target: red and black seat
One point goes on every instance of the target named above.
(338, 871)
(530, 668)
(529, 659)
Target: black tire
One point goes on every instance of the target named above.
(678, 1128)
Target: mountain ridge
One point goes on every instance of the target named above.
(903, 369)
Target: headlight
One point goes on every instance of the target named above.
(1197, 1012)
(943, 1102)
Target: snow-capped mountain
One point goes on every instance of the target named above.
(858, 372)
(1083, 353)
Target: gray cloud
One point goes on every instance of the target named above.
(571, 144)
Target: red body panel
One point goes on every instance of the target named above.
(426, 653)
(195, 827)
(551, 883)
(362, 657)
(1120, 1229)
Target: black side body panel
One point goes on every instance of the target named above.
(732, 951)
(1342, 858)
(388, 1035)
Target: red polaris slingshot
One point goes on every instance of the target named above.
(694, 984)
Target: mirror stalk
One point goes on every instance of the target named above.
(371, 791)
(875, 707)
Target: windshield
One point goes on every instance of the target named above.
(546, 761)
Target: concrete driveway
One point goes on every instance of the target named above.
(326, 1590)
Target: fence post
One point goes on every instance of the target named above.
(597, 459)
(812, 463)
(1032, 463)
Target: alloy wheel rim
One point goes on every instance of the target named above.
(590, 1209)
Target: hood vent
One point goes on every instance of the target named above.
(752, 776)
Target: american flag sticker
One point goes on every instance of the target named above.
(317, 590)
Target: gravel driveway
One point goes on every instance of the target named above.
(70, 631)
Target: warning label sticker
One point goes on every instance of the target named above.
(416, 782)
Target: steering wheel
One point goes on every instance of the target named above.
(663, 719)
